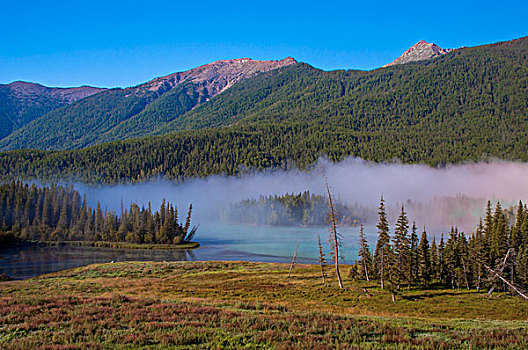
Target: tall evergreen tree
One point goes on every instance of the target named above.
(434, 260)
(487, 233)
(478, 255)
(517, 234)
(441, 268)
(499, 235)
(424, 260)
(401, 249)
(364, 254)
(383, 248)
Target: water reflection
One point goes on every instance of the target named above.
(218, 242)
(33, 260)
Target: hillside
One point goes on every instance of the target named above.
(21, 102)
(119, 114)
(467, 105)
(477, 85)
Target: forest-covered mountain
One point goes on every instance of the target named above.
(21, 102)
(466, 86)
(481, 85)
(118, 114)
(468, 104)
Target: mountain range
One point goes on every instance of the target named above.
(118, 114)
(48, 118)
(457, 105)
(22, 102)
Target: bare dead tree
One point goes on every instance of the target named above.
(503, 265)
(322, 260)
(334, 236)
(294, 259)
(498, 275)
(191, 234)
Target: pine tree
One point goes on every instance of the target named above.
(478, 255)
(401, 248)
(487, 234)
(451, 258)
(424, 260)
(466, 276)
(75, 207)
(383, 248)
(364, 254)
(517, 235)
(47, 210)
(28, 212)
(150, 225)
(522, 266)
(56, 204)
(163, 211)
(441, 260)
(499, 236)
(64, 215)
(99, 220)
(110, 228)
(78, 231)
(89, 227)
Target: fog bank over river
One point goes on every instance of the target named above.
(435, 197)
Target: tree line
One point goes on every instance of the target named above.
(238, 150)
(303, 208)
(494, 257)
(58, 213)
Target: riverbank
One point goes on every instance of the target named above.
(106, 244)
(242, 304)
(124, 245)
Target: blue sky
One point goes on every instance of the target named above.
(123, 43)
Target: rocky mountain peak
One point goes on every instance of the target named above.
(420, 51)
(215, 77)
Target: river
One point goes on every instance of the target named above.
(218, 242)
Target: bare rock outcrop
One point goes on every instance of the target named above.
(213, 78)
(422, 50)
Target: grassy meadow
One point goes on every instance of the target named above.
(210, 305)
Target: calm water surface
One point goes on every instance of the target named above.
(218, 242)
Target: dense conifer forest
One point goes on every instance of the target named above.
(494, 257)
(232, 151)
(293, 210)
(57, 213)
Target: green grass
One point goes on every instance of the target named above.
(212, 305)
